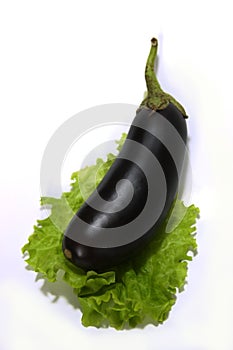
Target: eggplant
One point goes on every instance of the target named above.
(131, 202)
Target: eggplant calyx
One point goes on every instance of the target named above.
(156, 98)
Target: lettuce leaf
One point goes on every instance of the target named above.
(140, 291)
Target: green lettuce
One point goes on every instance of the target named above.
(140, 291)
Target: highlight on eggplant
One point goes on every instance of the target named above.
(131, 202)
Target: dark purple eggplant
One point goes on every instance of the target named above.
(131, 202)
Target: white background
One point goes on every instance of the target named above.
(60, 57)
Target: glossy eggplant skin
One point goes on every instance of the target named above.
(101, 258)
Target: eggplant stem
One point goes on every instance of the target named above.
(156, 98)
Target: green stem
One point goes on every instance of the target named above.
(156, 98)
